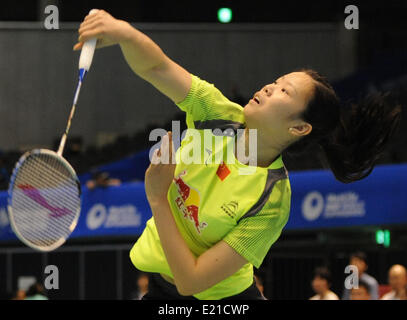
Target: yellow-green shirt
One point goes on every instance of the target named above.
(214, 201)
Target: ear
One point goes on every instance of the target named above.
(301, 130)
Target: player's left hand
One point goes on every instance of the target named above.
(160, 173)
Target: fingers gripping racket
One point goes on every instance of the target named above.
(44, 195)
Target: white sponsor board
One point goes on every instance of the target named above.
(333, 205)
(124, 216)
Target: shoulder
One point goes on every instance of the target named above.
(275, 199)
(369, 279)
(200, 89)
(388, 296)
(332, 296)
(205, 101)
(280, 191)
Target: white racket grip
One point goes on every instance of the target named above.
(88, 49)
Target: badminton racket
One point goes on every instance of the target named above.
(44, 194)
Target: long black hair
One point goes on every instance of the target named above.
(352, 137)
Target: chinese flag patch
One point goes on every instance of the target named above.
(223, 171)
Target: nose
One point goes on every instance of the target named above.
(268, 90)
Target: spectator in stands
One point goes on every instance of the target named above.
(321, 285)
(398, 283)
(142, 285)
(259, 284)
(101, 179)
(361, 292)
(18, 295)
(359, 259)
(36, 292)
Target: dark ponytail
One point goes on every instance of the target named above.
(352, 137)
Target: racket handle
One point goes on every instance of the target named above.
(88, 49)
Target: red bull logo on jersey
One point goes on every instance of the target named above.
(188, 202)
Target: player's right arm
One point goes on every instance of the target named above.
(142, 54)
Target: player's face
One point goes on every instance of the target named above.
(278, 105)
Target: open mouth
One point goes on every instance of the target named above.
(256, 100)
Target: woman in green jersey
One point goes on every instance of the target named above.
(212, 222)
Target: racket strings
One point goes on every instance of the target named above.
(50, 174)
(45, 200)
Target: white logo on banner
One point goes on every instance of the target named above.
(340, 205)
(312, 205)
(343, 205)
(96, 216)
(113, 217)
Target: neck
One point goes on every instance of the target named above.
(267, 152)
(324, 293)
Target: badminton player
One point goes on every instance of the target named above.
(210, 223)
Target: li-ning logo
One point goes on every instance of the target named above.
(188, 202)
(230, 208)
(34, 194)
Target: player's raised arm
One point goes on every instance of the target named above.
(142, 54)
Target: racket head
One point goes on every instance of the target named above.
(44, 199)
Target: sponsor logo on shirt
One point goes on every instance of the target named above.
(230, 208)
(223, 171)
(188, 202)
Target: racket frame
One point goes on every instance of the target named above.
(85, 61)
(10, 198)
